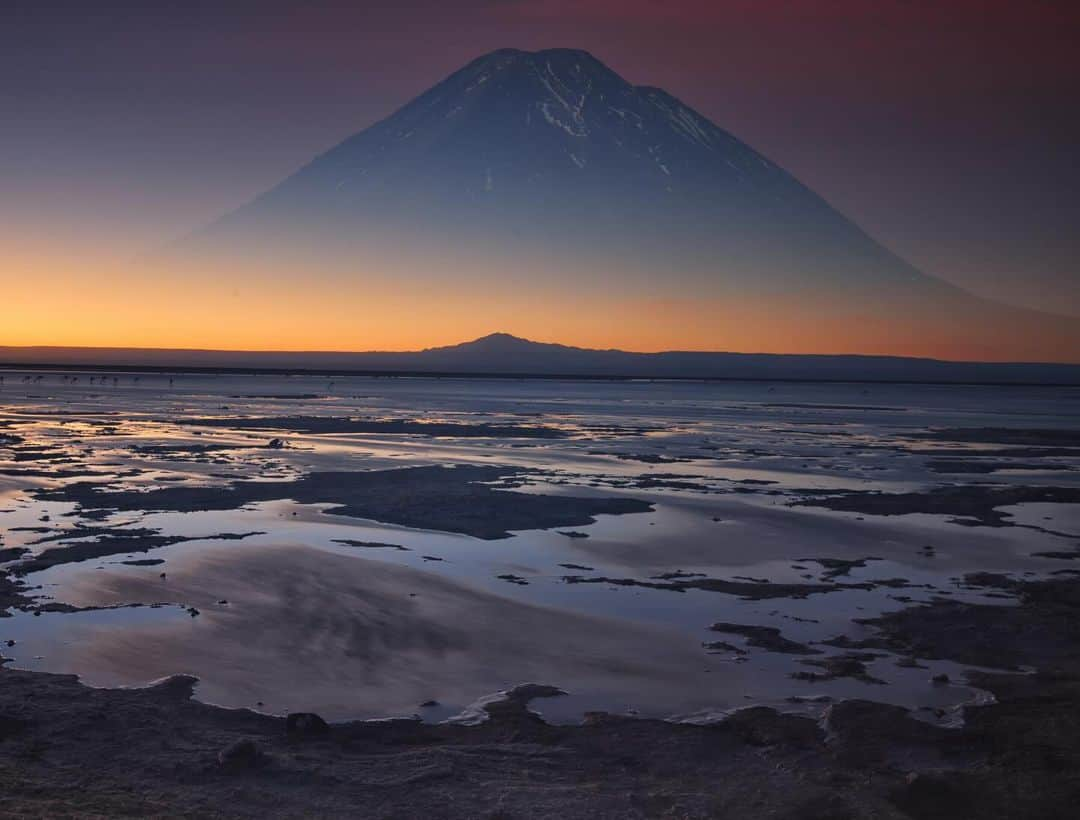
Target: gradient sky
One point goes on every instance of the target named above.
(948, 130)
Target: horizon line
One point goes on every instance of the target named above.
(266, 352)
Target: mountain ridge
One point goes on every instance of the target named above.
(503, 354)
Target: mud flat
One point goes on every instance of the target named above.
(451, 499)
(69, 749)
(986, 466)
(1043, 631)
(12, 594)
(978, 504)
(728, 645)
(749, 590)
(1037, 437)
(331, 424)
(105, 541)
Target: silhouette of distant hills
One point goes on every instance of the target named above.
(501, 354)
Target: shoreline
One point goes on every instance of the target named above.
(482, 375)
(69, 748)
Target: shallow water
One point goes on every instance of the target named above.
(292, 618)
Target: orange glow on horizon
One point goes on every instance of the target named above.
(92, 302)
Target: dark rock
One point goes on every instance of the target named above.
(762, 726)
(933, 795)
(821, 807)
(305, 724)
(175, 687)
(11, 726)
(525, 692)
(242, 754)
(866, 729)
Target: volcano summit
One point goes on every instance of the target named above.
(547, 179)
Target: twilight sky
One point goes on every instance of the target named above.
(947, 130)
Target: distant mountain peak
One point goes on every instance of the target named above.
(515, 133)
(547, 177)
(540, 53)
(499, 337)
(556, 57)
(497, 343)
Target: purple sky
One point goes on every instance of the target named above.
(946, 129)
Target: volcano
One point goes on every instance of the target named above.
(546, 172)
